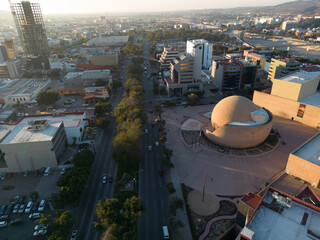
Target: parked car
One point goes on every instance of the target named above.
(35, 207)
(39, 227)
(42, 205)
(74, 235)
(16, 221)
(28, 207)
(4, 217)
(9, 209)
(25, 174)
(34, 215)
(3, 209)
(3, 224)
(7, 187)
(63, 171)
(21, 209)
(40, 232)
(16, 208)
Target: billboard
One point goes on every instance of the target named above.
(301, 110)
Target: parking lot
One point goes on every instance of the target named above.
(22, 186)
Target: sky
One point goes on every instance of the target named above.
(110, 6)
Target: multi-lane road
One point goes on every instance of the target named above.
(152, 186)
(103, 164)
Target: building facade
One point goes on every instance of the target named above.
(167, 56)
(281, 67)
(201, 50)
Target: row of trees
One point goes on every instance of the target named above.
(72, 183)
(59, 226)
(130, 48)
(120, 219)
(47, 98)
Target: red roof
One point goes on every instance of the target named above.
(309, 196)
(252, 200)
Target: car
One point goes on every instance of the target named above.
(63, 171)
(146, 131)
(16, 221)
(74, 235)
(9, 175)
(149, 148)
(40, 232)
(21, 209)
(160, 173)
(28, 207)
(4, 217)
(3, 223)
(7, 187)
(36, 173)
(34, 215)
(3, 209)
(85, 105)
(9, 209)
(42, 205)
(16, 208)
(25, 174)
(157, 144)
(39, 227)
(104, 179)
(35, 207)
(110, 179)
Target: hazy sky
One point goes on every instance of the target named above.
(109, 6)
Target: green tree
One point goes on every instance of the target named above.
(34, 195)
(193, 98)
(103, 123)
(61, 226)
(89, 131)
(47, 97)
(116, 84)
(103, 108)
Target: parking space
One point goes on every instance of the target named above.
(21, 185)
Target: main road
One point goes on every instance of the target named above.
(103, 164)
(152, 186)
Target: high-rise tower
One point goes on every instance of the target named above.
(31, 31)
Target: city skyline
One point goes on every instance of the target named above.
(98, 6)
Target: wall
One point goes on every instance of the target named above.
(303, 169)
(287, 108)
(308, 88)
(21, 157)
(285, 89)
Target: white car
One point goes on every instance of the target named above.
(146, 131)
(74, 234)
(34, 215)
(104, 179)
(16, 208)
(3, 224)
(28, 207)
(40, 227)
(157, 144)
(40, 232)
(42, 205)
(85, 105)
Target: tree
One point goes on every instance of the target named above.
(103, 108)
(34, 195)
(47, 97)
(158, 109)
(89, 131)
(103, 123)
(116, 84)
(193, 98)
(61, 226)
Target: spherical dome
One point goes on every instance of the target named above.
(232, 109)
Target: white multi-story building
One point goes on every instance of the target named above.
(201, 50)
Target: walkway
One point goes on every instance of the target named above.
(216, 219)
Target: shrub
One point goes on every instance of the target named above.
(170, 188)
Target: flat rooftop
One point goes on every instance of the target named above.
(310, 151)
(22, 134)
(313, 99)
(271, 221)
(300, 77)
(19, 133)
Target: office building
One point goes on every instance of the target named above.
(288, 25)
(3, 54)
(31, 32)
(181, 79)
(10, 48)
(13, 68)
(86, 78)
(201, 50)
(281, 67)
(167, 56)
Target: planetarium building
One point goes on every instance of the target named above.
(238, 123)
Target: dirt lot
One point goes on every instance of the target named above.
(24, 185)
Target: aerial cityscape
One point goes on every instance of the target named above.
(169, 120)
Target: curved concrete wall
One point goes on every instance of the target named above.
(240, 136)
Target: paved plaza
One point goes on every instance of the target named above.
(228, 175)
